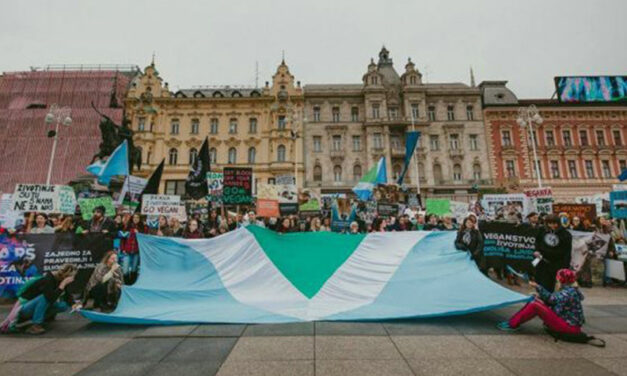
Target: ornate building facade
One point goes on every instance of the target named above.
(580, 146)
(350, 126)
(247, 127)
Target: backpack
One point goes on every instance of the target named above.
(580, 337)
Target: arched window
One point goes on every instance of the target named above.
(174, 126)
(195, 125)
(233, 126)
(337, 173)
(476, 171)
(193, 154)
(412, 80)
(232, 156)
(437, 174)
(357, 172)
(174, 154)
(213, 155)
(280, 151)
(457, 172)
(252, 152)
(397, 171)
(317, 173)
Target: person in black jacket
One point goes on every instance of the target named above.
(41, 297)
(469, 239)
(553, 246)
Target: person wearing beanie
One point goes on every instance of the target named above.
(553, 247)
(560, 311)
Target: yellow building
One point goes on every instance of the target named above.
(246, 127)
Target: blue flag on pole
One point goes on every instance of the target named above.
(411, 140)
(115, 165)
(623, 175)
(376, 175)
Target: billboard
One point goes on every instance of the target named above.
(583, 89)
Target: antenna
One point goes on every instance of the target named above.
(153, 58)
(283, 56)
(256, 74)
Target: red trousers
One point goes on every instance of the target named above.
(550, 318)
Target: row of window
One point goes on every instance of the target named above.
(214, 123)
(397, 169)
(555, 171)
(395, 141)
(393, 113)
(173, 155)
(567, 137)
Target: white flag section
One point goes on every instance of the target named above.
(254, 275)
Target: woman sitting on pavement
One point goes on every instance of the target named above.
(560, 311)
(40, 300)
(105, 283)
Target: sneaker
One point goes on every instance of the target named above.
(35, 329)
(504, 326)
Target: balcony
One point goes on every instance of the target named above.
(456, 153)
(398, 151)
(337, 153)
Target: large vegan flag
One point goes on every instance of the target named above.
(254, 275)
(376, 175)
(115, 165)
(196, 183)
(411, 140)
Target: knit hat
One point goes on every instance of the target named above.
(566, 276)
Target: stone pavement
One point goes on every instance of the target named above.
(461, 345)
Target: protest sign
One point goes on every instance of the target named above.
(367, 211)
(27, 256)
(284, 193)
(267, 208)
(540, 199)
(587, 245)
(288, 208)
(88, 205)
(566, 212)
(215, 183)
(387, 210)
(285, 180)
(459, 210)
(197, 208)
(618, 204)
(9, 218)
(438, 206)
(44, 198)
(237, 186)
(131, 191)
(619, 187)
(508, 244)
(506, 205)
(615, 269)
(168, 205)
(600, 200)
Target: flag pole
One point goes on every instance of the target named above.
(415, 155)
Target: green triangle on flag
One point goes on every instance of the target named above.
(306, 259)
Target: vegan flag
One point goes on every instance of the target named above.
(115, 165)
(376, 175)
(411, 140)
(152, 186)
(254, 275)
(196, 184)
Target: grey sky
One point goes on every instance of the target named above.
(218, 42)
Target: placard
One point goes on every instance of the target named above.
(131, 191)
(237, 186)
(285, 180)
(387, 210)
(566, 212)
(267, 208)
(288, 208)
(43, 198)
(459, 210)
(508, 244)
(540, 199)
(438, 206)
(168, 205)
(505, 204)
(618, 204)
(215, 184)
(88, 205)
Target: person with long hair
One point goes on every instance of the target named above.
(105, 284)
(163, 229)
(561, 311)
(469, 239)
(45, 297)
(553, 248)
(41, 225)
(192, 231)
(129, 247)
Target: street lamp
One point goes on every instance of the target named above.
(526, 118)
(58, 115)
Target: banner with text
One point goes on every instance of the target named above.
(566, 212)
(508, 244)
(44, 198)
(540, 199)
(237, 186)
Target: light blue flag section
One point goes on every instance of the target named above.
(376, 175)
(411, 140)
(115, 165)
(253, 275)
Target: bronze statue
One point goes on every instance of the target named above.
(112, 136)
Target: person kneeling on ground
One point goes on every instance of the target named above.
(560, 311)
(105, 283)
(41, 298)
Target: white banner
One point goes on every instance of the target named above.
(284, 193)
(505, 204)
(168, 205)
(44, 198)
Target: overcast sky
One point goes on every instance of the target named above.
(218, 42)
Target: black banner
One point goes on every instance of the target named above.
(26, 256)
(385, 209)
(288, 208)
(508, 244)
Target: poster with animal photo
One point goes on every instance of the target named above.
(506, 206)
